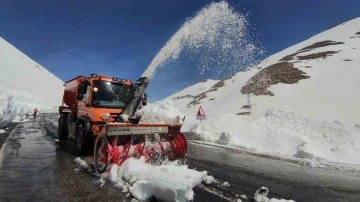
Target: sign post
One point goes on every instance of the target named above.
(200, 115)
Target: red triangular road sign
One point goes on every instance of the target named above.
(200, 112)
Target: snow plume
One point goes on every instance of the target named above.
(285, 133)
(218, 36)
(168, 182)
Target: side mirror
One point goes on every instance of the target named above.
(79, 97)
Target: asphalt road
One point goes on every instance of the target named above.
(36, 168)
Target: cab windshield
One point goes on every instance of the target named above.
(109, 94)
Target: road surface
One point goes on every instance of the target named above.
(33, 167)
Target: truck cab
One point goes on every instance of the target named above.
(88, 102)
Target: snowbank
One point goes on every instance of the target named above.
(17, 106)
(285, 133)
(168, 182)
(162, 112)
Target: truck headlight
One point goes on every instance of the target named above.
(105, 117)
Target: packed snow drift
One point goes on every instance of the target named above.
(282, 132)
(162, 112)
(19, 106)
(172, 182)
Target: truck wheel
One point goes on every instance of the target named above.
(80, 139)
(62, 129)
(101, 154)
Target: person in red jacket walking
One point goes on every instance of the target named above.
(35, 112)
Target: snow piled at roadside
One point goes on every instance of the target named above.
(171, 181)
(282, 132)
(161, 112)
(14, 106)
(168, 182)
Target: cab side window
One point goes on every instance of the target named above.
(87, 94)
(84, 90)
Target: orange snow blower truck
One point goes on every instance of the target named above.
(102, 110)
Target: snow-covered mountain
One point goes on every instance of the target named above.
(301, 103)
(25, 84)
(319, 77)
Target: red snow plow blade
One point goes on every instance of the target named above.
(155, 142)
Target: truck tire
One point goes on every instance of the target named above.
(101, 150)
(63, 132)
(80, 139)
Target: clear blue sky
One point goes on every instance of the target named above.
(120, 37)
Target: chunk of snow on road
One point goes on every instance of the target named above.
(141, 190)
(125, 188)
(285, 133)
(243, 197)
(101, 182)
(161, 112)
(209, 179)
(261, 196)
(239, 200)
(225, 184)
(81, 163)
(2, 131)
(133, 169)
(169, 182)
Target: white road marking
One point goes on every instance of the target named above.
(214, 192)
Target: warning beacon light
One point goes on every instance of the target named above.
(119, 80)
